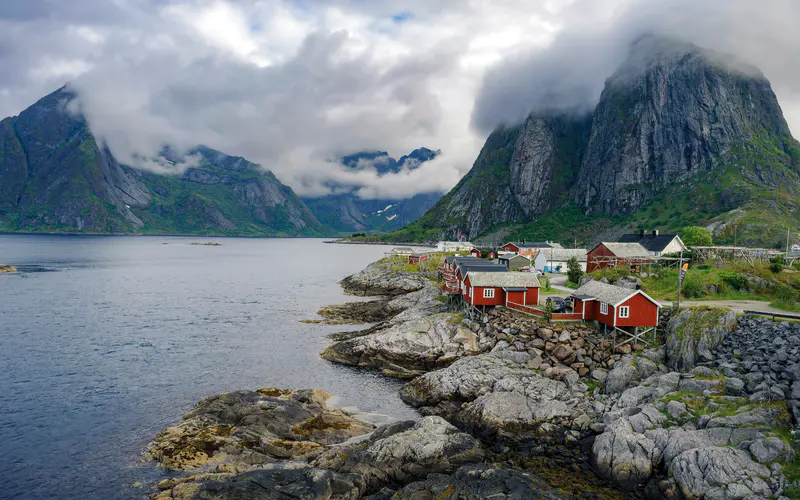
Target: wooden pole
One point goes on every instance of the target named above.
(680, 279)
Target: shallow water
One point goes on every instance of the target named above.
(106, 340)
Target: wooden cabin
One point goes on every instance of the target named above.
(417, 258)
(615, 306)
(613, 254)
(527, 249)
(501, 288)
(514, 262)
(655, 243)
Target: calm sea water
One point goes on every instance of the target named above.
(104, 341)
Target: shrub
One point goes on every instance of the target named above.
(723, 288)
(777, 264)
(785, 294)
(693, 288)
(546, 284)
(574, 272)
(696, 236)
(735, 280)
(548, 309)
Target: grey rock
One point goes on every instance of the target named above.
(480, 481)
(719, 472)
(695, 330)
(676, 409)
(624, 456)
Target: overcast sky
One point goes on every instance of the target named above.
(294, 84)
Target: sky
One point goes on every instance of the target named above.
(295, 84)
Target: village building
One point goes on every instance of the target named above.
(613, 254)
(528, 249)
(630, 313)
(554, 260)
(402, 251)
(795, 247)
(416, 258)
(513, 262)
(454, 246)
(501, 289)
(655, 243)
(488, 253)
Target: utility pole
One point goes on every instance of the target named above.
(680, 279)
(788, 232)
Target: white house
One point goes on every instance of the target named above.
(796, 247)
(555, 259)
(655, 243)
(454, 246)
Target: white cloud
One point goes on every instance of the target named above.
(291, 85)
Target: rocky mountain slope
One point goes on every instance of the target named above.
(346, 212)
(681, 135)
(56, 177)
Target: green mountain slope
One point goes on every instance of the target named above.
(54, 177)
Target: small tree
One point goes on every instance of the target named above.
(548, 310)
(696, 236)
(574, 271)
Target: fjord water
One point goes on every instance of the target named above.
(104, 341)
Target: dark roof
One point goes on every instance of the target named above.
(529, 244)
(582, 297)
(513, 289)
(454, 258)
(484, 249)
(513, 256)
(482, 267)
(650, 242)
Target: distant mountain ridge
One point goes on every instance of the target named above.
(56, 177)
(681, 136)
(347, 212)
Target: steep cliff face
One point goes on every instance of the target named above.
(681, 136)
(54, 176)
(521, 172)
(672, 112)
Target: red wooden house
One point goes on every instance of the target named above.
(525, 248)
(475, 252)
(612, 254)
(624, 310)
(416, 258)
(501, 288)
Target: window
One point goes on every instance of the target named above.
(488, 293)
(469, 294)
(603, 308)
(624, 312)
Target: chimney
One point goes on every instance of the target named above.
(655, 232)
(642, 232)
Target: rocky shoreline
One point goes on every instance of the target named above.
(4, 268)
(511, 408)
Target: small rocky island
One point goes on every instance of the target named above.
(511, 408)
(205, 244)
(4, 268)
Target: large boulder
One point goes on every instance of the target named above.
(627, 457)
(696, 332)
(273, 483)
(409, 453)
(381, 278)
(480, 481)
(409, 348)
(466, 379)
(255, 427)
(720, 472)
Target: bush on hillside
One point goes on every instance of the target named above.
(735, 280)
(696, 236)
(693, 288)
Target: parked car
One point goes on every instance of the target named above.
(559, 304)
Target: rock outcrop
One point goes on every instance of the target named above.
(379, 278)
(395, 455)
(694, 333)
(7, 269)
(255, 427)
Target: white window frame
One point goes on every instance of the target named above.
(603, 308)
(488, 293)
(625, 311)
(469, 293)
